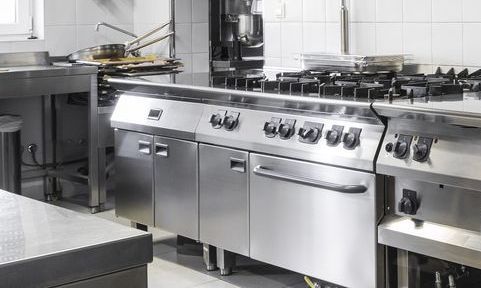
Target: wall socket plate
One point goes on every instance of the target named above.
(280, 9)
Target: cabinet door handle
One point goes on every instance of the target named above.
(145, 147)
(162, 150)
(238, 165)
(348, 189)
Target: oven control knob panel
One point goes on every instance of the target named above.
(271, 127)
(409, 204)
(402, 146)
(351, 138)
(422, 149)
(287, 129)
(310, 133)
(217, 119)
(334, 135)
(231, 121)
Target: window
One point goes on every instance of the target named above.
(15, 17)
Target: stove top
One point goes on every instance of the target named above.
(355, 85)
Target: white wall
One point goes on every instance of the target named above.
(192, 39)
(69, 26)
(191, 25)
(435, 32)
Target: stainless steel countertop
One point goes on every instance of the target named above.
(41, 71)
(196, 87)
(44, 245)
(459, 109)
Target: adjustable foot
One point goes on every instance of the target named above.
(225, 261)
(210, 257)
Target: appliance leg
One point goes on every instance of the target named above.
(139, 226)
(210, 257)
(403, 268)
(225, 261)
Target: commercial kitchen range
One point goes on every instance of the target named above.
(357, 179)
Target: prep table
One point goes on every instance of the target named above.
(56, 247)
(30, 75)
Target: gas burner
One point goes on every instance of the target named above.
(356, 85)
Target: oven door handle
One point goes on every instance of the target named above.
(348, 189)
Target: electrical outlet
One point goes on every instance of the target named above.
(280, 9)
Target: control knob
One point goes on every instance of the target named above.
(351, 138)
(216, 120)
(333, 137)
(230, 122)
(401, 149)
(270, 129)
(286, 131)
(408, 206)
(421, 152)
(309, 134)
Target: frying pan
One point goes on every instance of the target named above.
(108, 51)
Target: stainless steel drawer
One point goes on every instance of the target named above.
(224, 198)
(176, 186)
(314, 219)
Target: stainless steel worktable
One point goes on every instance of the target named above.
(42, 245)
(32, 75)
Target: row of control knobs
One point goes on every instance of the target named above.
(311, 132)
(402, 147)
(225, 119)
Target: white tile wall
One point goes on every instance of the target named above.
(147, 15)
(192, 34)
(431, 32)
(69, 26)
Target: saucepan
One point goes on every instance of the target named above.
(109, 51)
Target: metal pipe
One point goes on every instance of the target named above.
(344, 28)
(97, 28)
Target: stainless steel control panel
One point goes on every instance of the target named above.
(320, 139)
(434, 152)
(157, 116)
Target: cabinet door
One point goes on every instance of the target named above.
(134, 193)
(224, 198)
(314, 219)
(176, 186)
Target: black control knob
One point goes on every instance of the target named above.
(333, 137)
(421, 152)
(309, 134)
(230, 123)
(350, 140)
(216, 120)
(401, 149)
(389, 147)
(286, 131)
(408, 205)
(270, 129)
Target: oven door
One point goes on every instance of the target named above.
(314, 219)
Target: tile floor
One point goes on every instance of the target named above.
(186, 270)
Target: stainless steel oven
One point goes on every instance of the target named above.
(295, 204)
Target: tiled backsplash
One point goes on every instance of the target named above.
(192, 38)
(434, 32)
(70, 25)
(191, 27)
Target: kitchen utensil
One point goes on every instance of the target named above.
(118, 50)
